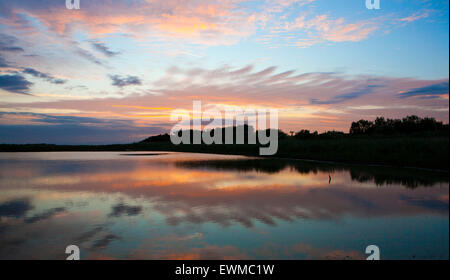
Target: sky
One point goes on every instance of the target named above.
(113, 71)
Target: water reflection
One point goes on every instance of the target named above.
(379, 175)
(175, 205)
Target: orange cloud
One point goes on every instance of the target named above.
(320, 29)
(302, 99)
(414, 17)
(206, 22)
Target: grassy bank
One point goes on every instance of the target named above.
(423, 152)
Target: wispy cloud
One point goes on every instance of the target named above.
(45, 76)
(201, 21)
(414, 17)
(430, 90)
(347, 96)
(307, 100)
(89, 56)
(321, 29)
(101, 47)
(42, 42)
(3, 62)
(7, 44)
(120, 81)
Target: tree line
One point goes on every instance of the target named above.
(409, 125)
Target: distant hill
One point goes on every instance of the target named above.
(157, 138)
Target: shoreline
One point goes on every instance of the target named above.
(366, 164)
(128, 148)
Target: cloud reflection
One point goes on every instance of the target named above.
(15, 208)
(177, 197)
(123, 209)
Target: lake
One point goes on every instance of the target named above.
(157, 205)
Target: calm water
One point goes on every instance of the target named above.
(117, 205)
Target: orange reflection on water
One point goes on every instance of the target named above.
(82, 198)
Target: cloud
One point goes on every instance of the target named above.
(278, 6)
(347, 96)
(120, 81)
(62, 120)
(60, 129)
(205, 22)
(44, 76)
(320, 29)
(306, 30)
(3, 62)
(338, 30)
(430, 90)
(208, 22)
(89, 56)
(7, 44)
(414, 17)
(11, 49)
(101, 47)
(74, 134)
(14, 83)
(316, 100)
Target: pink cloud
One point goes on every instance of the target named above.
(200, 21)
(321, 29)
(414, 17)
(319, 101)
